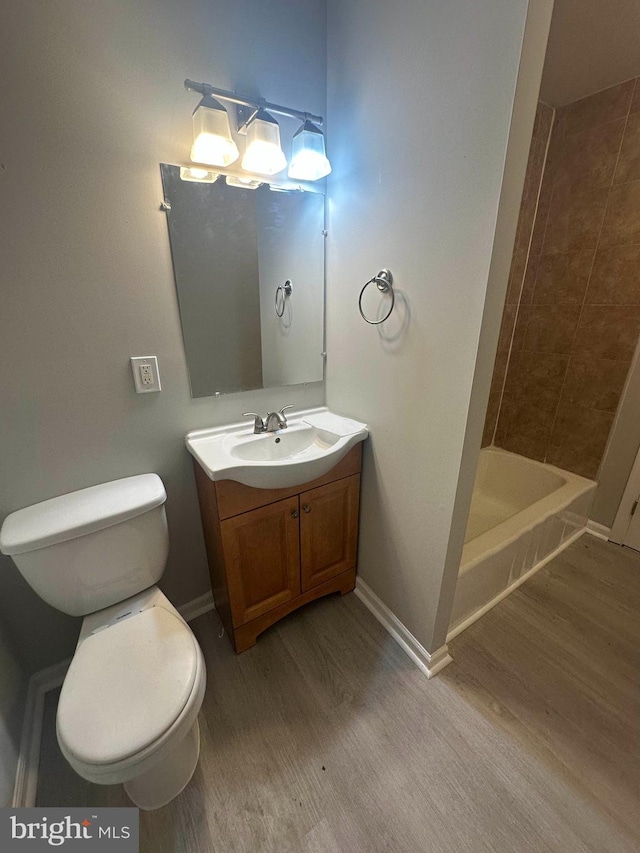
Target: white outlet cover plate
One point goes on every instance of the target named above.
(137, 362)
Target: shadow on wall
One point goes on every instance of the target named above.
(13, 688)
(52, 635)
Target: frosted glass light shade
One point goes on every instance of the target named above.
(243, 183)
(264, 154)
(308, 161)
(212, 140)
(200, 176)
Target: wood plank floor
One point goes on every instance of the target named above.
(325, 738)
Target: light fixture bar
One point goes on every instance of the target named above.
(252, 103)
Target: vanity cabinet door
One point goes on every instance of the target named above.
(262, 556)
(328, 530)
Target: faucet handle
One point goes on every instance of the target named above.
(281, 411)
(258, 424)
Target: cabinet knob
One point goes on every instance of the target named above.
(294, 513)
(306, 508)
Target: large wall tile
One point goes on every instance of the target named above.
(562, 278)
(584, 430)
(628, 168)
(594, 383)
(523, 445)
(529, 283)
(506, 329)
(540, 374)
(530, 427)
(522, 321)
(491, 418)
(499, 372)
(575, 460)
(622, 223)
(600, 108)
(516, 274)
(635, 103)
(589, 158)
(502, 426)
(615, 278)
(608, 331)
(575, 218)
(552, 328)
(542, 215)
(513, 367)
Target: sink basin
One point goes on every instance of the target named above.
(276, 460)
(289, 443)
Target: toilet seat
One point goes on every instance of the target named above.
(128, 687)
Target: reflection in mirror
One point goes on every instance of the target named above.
(234, 250)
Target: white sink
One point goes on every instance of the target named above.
(276, 460)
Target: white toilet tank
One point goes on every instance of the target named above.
(86, 550)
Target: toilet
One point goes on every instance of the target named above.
(128, 710)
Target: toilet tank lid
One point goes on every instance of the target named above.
(78, 513)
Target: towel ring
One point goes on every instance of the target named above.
(285, 289)
(384, 283)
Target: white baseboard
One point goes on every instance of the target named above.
(26, 784)
(430, 664)
(600, 531)
(24, 792)
(192, 609)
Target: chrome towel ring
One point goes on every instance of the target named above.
(384, 283)
(285, 289)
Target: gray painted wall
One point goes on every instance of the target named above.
(592, 45)
(420, 101)
(92, 101)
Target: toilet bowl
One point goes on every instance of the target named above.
(130, 700)
(128, 709)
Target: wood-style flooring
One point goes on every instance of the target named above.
(325, 738)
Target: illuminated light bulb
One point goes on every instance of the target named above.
(264, 154)
(308, 161)
(212, 140)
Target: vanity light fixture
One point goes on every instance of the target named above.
(309, 161)
(212, 140)
(263, 154)
(200, 176)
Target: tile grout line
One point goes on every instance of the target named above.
(593, 260)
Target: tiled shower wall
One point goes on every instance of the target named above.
(519, 267)
(578, 317)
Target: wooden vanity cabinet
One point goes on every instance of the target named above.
(272, 550)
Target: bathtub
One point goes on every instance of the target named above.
(523, 513)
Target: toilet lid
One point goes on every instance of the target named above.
(126, 686)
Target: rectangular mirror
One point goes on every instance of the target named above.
(234, 250)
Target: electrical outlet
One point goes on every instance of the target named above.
(145, 374)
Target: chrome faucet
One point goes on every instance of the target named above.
(272, 421)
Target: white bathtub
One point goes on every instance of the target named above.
(522, 514)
